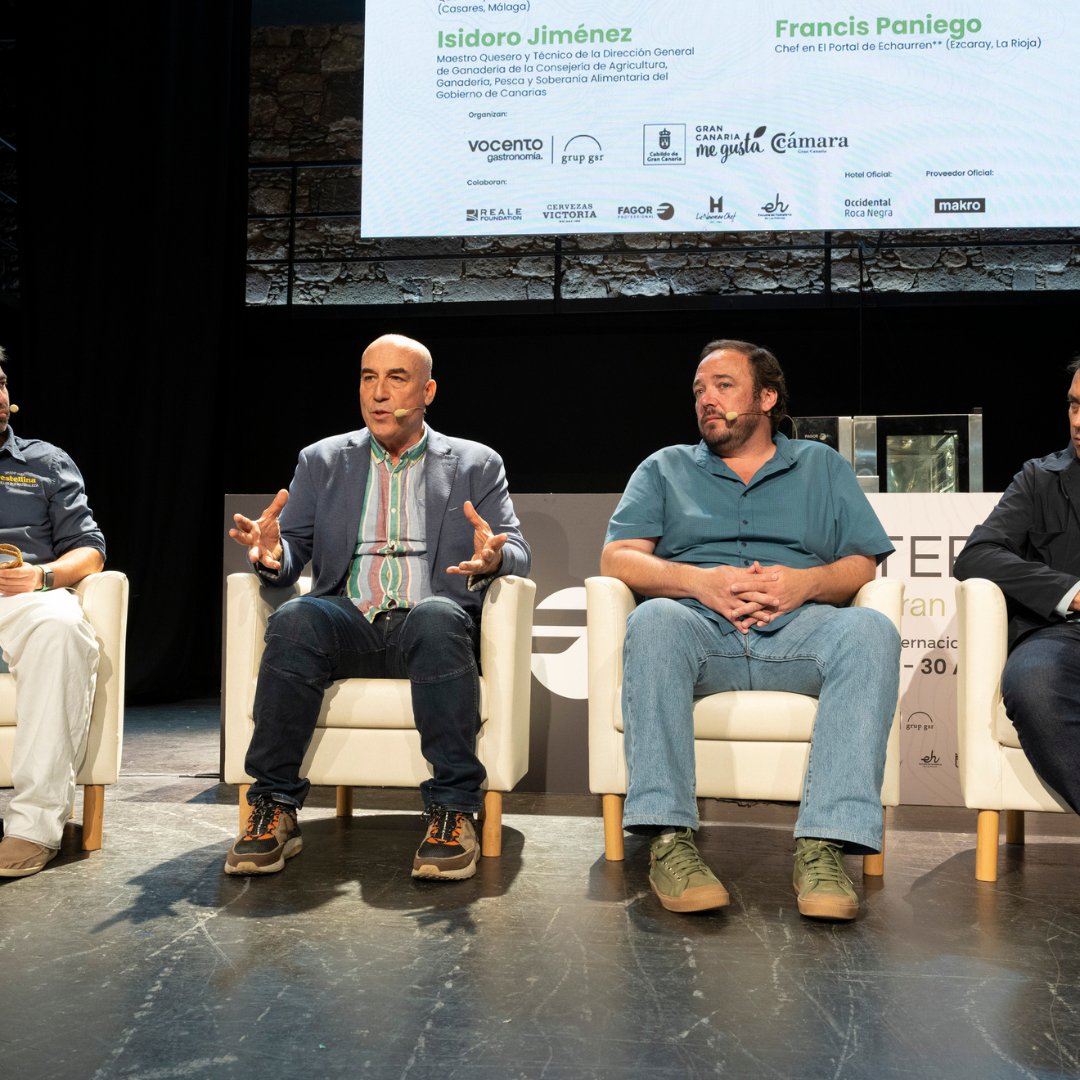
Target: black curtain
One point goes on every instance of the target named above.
(131, 129)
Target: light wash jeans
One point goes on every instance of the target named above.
(848, 658)
(53, 654)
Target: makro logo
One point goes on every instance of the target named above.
(959, 206)
(509, 149)
(664, 144)
(582, 150)
(494, 214)
(565, 672)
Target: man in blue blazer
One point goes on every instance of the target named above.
(394, 520)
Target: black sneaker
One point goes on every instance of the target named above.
(450, 848)
(270, 837)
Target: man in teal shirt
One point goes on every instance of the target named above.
(745, 546)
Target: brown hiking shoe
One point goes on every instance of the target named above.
(450, 849)
(270, 837)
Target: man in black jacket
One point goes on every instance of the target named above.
(1030, 547)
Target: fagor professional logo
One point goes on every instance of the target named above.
(664, 144)
(665, 211)
(582, 150)
(563, 668)
(641, 212)
(959, 206)
(509, 149)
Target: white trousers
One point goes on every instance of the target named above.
(53, 654)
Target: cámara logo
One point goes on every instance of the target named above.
(783, 141)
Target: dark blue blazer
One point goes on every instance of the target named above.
(1029, 546)
(320, 522)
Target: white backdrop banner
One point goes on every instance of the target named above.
(578, 116)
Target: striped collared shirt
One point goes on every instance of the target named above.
(389, 566)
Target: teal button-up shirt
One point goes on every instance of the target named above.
(802, 508)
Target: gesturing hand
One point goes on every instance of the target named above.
(487, 548)
(262, 538)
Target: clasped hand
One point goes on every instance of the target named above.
(754, 596)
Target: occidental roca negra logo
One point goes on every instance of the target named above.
(509, 149)
(718, 142)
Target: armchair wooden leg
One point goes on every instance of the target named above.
(344, 801)
(491, 830)
(1014, 826)
(986, 845)
(613, 830)
(874, 865)
(244, 808)
(93, 815)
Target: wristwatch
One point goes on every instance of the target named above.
(46, 579)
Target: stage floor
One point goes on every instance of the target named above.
(144, 960)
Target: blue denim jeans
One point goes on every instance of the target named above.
(1040, 688)
(848, 658)
(313, 640)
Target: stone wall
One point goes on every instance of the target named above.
(306, 87)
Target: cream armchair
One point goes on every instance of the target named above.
(995, 774)
(365, 734)
(748, 744)
(104, 599)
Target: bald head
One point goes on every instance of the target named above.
(405, 346)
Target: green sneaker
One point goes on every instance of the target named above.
(679, 877)
(821, 882)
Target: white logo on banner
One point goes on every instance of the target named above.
(564, 673)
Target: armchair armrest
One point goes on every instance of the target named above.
(505, 661)
(982, 630)
(248, 607)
